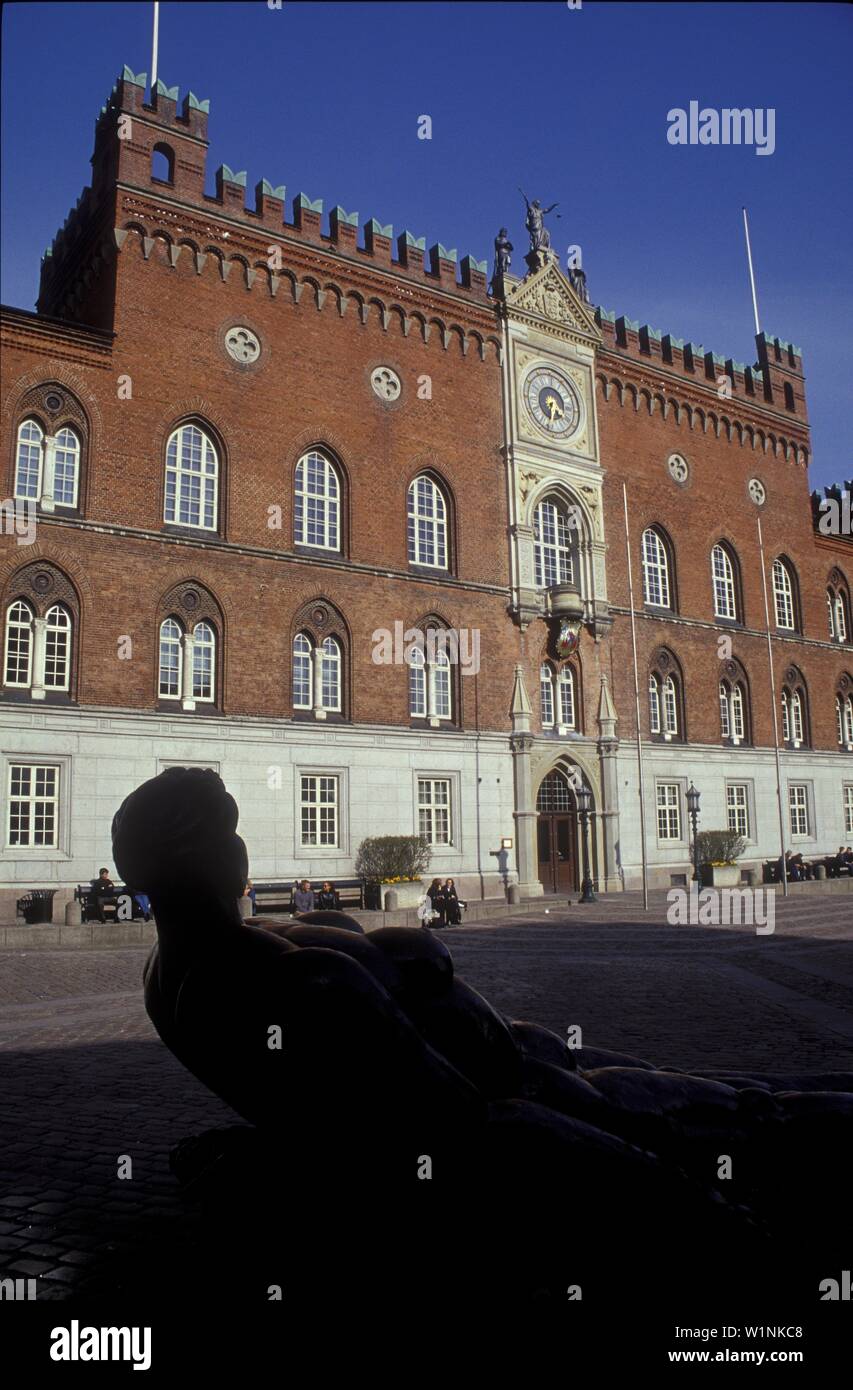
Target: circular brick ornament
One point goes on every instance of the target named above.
(678, 468)
(242, 344)
(757, 492)
(386, 383)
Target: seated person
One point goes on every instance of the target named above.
(453, 904)
(144, 905)
(304, 897)
(329, 897)
(102, 889)
(249, 892)
(848, 859)
(435, 893)
(800, 869)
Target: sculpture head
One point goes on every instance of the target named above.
(175, 839)
(503, 232)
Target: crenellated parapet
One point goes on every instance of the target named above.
(774, 380)
(159, 148)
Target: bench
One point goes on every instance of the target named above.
(277, 896)
(84, 895)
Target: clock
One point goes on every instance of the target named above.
(552, 403)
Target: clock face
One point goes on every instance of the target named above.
(552, 403)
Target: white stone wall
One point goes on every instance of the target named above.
(105, 754)
(709, 769)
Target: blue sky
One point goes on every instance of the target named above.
(571, 105)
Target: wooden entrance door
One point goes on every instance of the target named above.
(557, 868)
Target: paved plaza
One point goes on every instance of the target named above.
(84, 1080)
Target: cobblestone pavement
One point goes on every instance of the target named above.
(84, 1080)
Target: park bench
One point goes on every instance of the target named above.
(84, 895)
(277, 896)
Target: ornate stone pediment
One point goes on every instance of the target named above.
(547, 298)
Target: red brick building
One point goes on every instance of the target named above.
(249, 447)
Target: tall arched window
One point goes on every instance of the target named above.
(733, 709)
(57, 655)
(553, 544)
(417, 684)
(192, 479)
(171, 660)
(302, 672)
(204, 658)
(566, 697)
(47, 467)
(657, 589)
(29, 459)
(795, 715)
(837, 613)
(784, 595)
(317, 502)
(427, 524)
(18, 662)
(666, 713)
(546, 695)
(431, 688)
(724, 582)
(844, 713)
(331, 682)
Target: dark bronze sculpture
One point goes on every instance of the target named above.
(540, 237)
(358, 1057)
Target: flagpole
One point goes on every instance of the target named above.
(775, 715)
(637, 708)
(154, 47)
(751, 273)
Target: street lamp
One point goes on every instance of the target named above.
(583, 797)
(693, 812)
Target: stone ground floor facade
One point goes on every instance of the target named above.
(309, 796)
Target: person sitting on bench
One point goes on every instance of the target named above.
(304, 897)
(329, 897)
(102, 889)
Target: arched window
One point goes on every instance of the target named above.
(302, 672)
(417, 684)
(171, 660)
(844, 713)
(657, 589)
(47, 466)
(317, 503)
(431, 687)
(566, 692)
(836, 606)
(192, 479)
(553, 544)
(57, 656)
(440, 673)
(794, 702)
(163, 164)
(331, 675)
(554, 794)
(18, 662)
(29, 460)
(427, 524)
(725, 583)
(784, 596)
(733, 711)
(546, 695)
(666, 715)
(204, 659)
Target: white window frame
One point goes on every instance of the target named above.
(546, 695)
(654, 704)
(669, 699)
(19, 626)
(29, 445)
(180, 478)
(738, 808)
(61, 655)
(331, 675)
(302, 658)
(847, 805)
(723, 578)
(666, 804)
(552, 536)
(67, 447)
(318, 776)
(39, 853)
(799, 810)
(783, 596)
(566, 682)
(179, 643)
(427, 524)
(432, 806)
(317, 508)
(204, 670)
(655, 565)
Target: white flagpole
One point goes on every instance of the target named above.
(775, 715)
(751, 273)
(154, 47)
(637, 709)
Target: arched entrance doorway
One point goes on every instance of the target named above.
(556, 830)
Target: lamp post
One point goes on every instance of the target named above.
(583, 797)
(693, 812)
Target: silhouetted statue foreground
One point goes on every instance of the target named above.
(362, 1061)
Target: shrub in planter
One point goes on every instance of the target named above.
(393, 858)
(718, 847)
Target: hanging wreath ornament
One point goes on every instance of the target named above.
(569, 639)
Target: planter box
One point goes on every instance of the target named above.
(408, 894)
(724, 876)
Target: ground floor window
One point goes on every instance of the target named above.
(798, 802)
(320, 802)
(848, 809)
(669, 811)
(737, 808)
(434, 819)
(33, 816)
